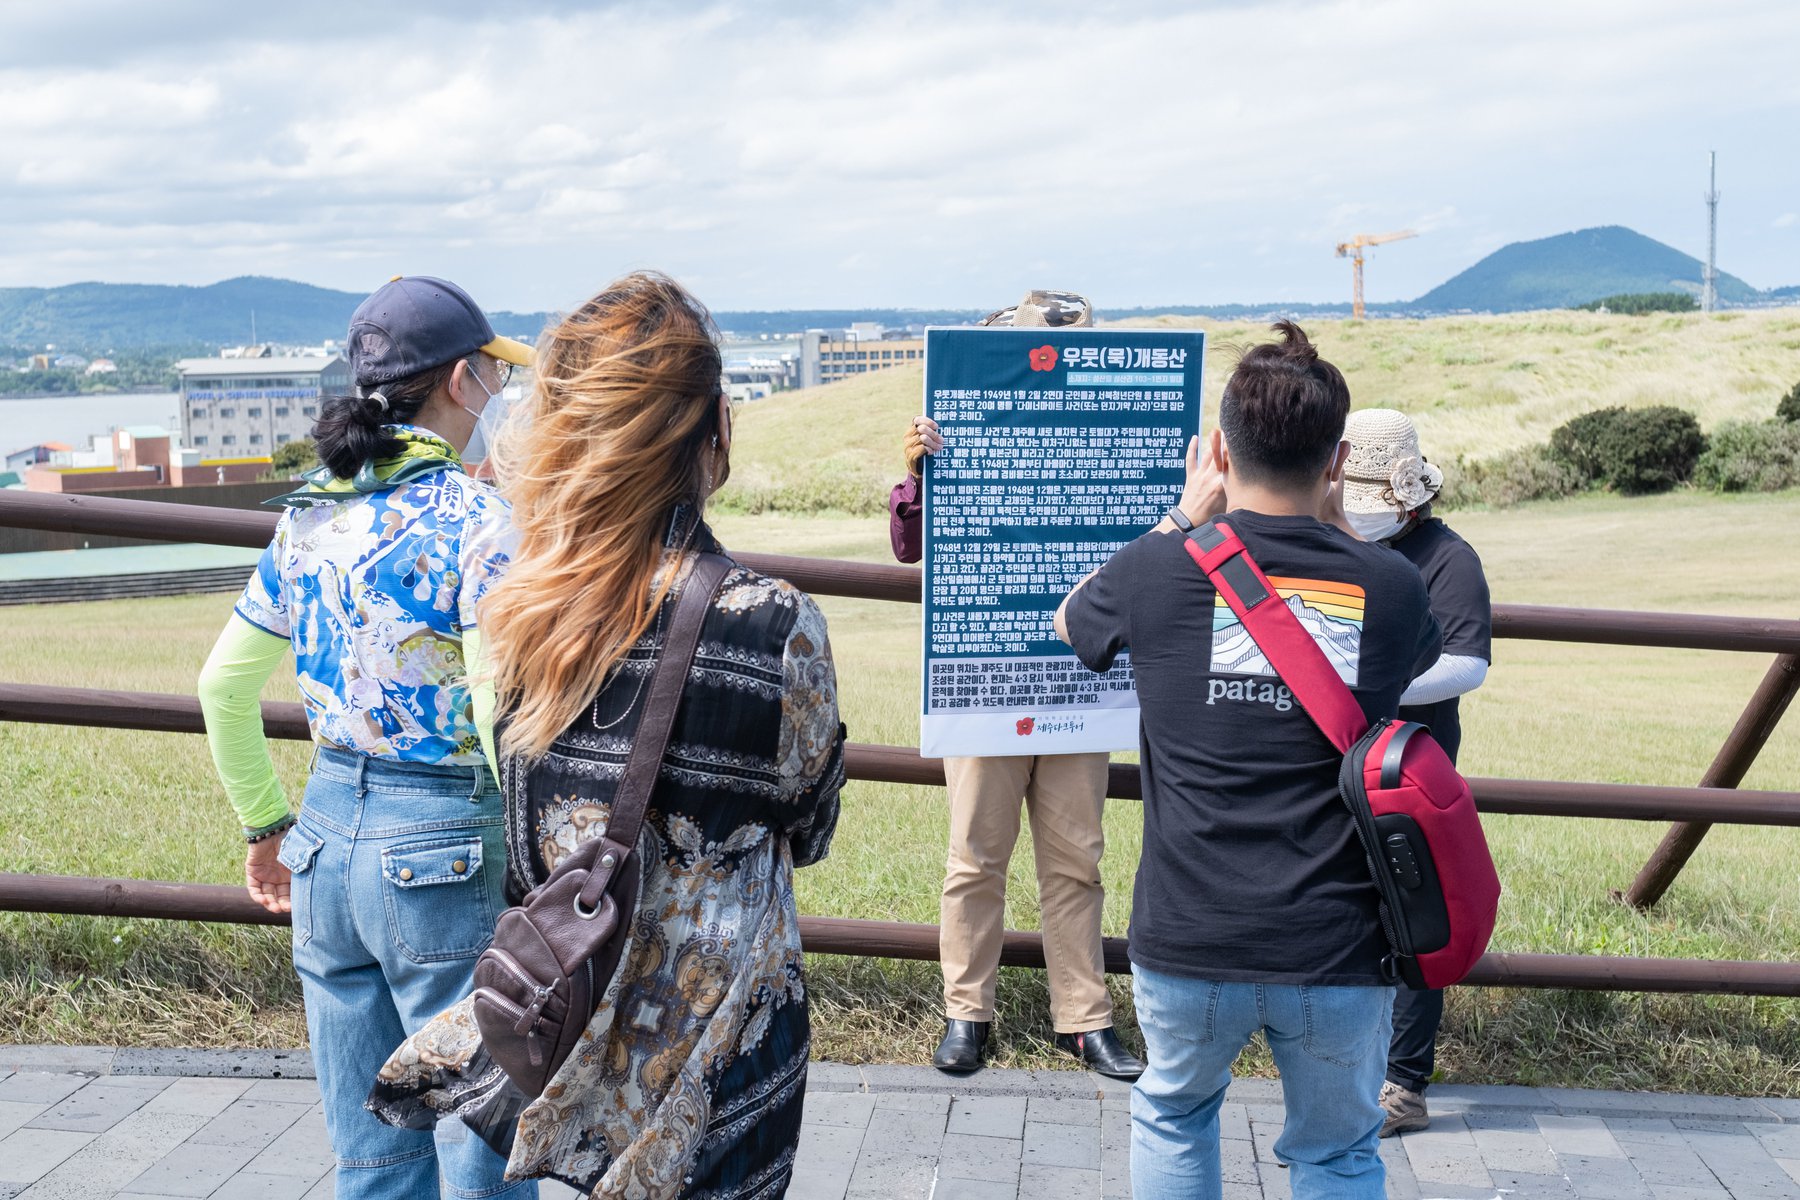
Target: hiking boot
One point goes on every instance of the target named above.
(1405, 1110)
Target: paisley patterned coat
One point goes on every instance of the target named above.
(690, 1078)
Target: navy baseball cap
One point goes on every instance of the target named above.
(413, 323)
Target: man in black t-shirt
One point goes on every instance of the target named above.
(1253, 906)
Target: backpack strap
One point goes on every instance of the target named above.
(1291, 650)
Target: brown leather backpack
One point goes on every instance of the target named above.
(540, 980)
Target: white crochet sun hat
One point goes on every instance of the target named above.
(1386, 470)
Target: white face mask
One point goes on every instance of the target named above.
(487, 421)
(1375, 527)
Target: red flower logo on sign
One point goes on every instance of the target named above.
(1043, 358)
(1027, 724)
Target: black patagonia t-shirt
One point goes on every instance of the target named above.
(1459, 600)
(1251, 869)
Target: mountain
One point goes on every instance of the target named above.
(124, 316)
(1574, 268)
(1235, 652)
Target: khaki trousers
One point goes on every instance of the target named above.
(1064, 793)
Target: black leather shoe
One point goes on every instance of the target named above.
(1102, 1050)
(962, 1046)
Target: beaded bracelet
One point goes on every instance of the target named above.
(253, 836)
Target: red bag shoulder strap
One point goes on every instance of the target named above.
(1291, 650)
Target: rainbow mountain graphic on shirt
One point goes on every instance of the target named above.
(1331, 612)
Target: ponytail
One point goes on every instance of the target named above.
(351, 430)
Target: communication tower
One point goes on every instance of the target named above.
(1709, 282)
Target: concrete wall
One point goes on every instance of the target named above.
(230, 495)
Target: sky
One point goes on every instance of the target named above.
(904, 154)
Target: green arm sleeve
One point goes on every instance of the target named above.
(481, 697)
(231, 686)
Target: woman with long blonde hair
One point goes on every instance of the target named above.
(691, 1075)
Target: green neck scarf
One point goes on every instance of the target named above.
(421, 453)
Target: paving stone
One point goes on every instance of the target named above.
(1662, 1165)
(1237, 1162)
(911, 1132)
(252, 1123)
(1110, 1088)
(1781, 1141)
(1528, 1185)
(1742, 1165)
(1234, 1122)
(1515, 1120)
(879, 1078)
(951, 1188)
(1063, 1111)
(1263, 1135)
(14, 1113)
(116, 1157)
(552, 1189)
(833, 1077)
(1254, 1091)
(1051, 1144)
(302, 1151)
(1514, 1151)
(193, 1169)
(892, 1175)
(217, 1064)
(1657, 1131)
(284, 1091)
(1058, 1183)
(247, 1185)
(988, 1116)
(1451, 1158)
(325, 1189)
(1785, 1108)
(41, 1087)
(27, 1155)
(202, 1097)
(849, 1109)
(922, 1102)
(1657, 1104)
(1791, 1166)
(57, 1060)
(1715, 1192)
(828, 1150)
(1579, 1135)
(1603, 1177)
(95, 1108)
(1401, 1184)
(806, 1184)
(1462, 1097)
(967, 1156)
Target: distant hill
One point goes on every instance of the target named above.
(124, 316)
(1575, 268)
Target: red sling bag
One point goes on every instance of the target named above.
(1415, 815)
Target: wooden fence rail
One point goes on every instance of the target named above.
(1716, 801)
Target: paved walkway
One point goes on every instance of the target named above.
(98, 1122)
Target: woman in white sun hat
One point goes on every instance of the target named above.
(1388, 490)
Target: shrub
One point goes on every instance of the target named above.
(1631, 450)
(291, 458)
(1638, 303)
(1529, 473)
(1751, 456)
(1788, 408)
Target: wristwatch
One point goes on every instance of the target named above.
(1180, 518)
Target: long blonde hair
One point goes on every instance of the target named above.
(621, 428)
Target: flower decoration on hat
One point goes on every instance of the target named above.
(1414, 481)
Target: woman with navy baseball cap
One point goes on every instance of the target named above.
(394, 867)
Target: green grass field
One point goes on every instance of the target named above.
(1476, 386)
(142, 804)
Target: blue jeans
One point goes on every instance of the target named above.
(1330, 1044)
(398, 869)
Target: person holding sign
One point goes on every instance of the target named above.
(1064, 794)
(1252, 909)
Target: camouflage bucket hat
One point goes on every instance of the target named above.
(1045, 310)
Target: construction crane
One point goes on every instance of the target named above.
(1353, 250)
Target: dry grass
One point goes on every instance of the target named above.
(1475, 386)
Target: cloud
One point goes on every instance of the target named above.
(1785, 220)
(911, 153)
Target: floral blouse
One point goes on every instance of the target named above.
(690, 1078)
(374, 592)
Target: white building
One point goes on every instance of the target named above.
(249, 406)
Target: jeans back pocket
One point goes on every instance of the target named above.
(299, 851)
(439, 904)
